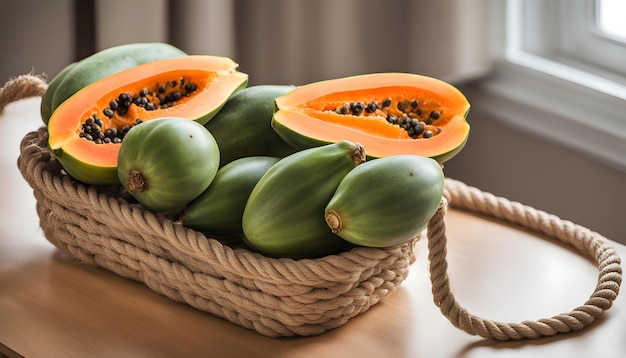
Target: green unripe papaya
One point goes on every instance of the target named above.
(386, 201)
(242, 128)
(220, 208)
(167, 162)
(104, 63)
(284, 215)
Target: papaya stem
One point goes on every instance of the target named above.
(136, 181)
(333, 220)
(358, 154)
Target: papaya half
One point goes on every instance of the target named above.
(86, 131)
(388, 113)
(99, 65)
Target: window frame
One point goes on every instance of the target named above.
(582, 41)
(610, 37)
(548, 94)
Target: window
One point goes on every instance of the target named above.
(564, 59)
(568, 35)
(610, 19)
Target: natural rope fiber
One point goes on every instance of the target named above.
(280, 297)
(23, 86)
(586, 242)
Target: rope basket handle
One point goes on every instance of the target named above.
(21, 87)
(583, 240)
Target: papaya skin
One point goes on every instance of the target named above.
(102, 64)
(46, 100)
(386, 201)
(243, 128)
(284, 215)
(167, 162)
(85, 172)
(219, 209)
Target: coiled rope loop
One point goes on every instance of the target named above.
(588, 243)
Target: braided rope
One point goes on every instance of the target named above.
(280, 297)
(585, 241)
(21, 87)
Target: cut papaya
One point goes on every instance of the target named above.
(85, 132)
(388, 113)
(99, 65)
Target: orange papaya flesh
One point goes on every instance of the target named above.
(388, 113)
(86, 131)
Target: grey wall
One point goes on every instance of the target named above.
(547, 176)
(35, 36)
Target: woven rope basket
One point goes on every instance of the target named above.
(275, 297)
(282, 297)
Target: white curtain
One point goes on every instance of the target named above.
(299, 41)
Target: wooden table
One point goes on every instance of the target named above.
(52, 306)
